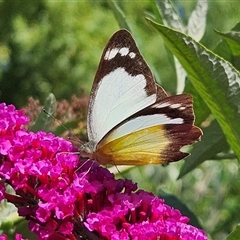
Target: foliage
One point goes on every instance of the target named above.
(48, 47)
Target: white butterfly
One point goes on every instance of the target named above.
(131, 120)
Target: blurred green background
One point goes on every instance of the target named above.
(55, 47)
(48, 46)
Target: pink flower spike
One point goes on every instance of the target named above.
(63, 197)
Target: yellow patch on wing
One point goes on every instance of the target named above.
(136, 148)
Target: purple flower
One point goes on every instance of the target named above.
(17, 237)
(64, 197)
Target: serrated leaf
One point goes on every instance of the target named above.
(169, 15)
(223, 49)
(215, 79)
(213, 142)
(45, 119)
(119, 15)
(234, 235)
(174, 202)
(197, 20)
(170, 18)
(233, 40)
(196, 29)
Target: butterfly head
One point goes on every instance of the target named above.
(87, 150)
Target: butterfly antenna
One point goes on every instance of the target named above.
(58, 121)
(118, 170)
(88, 168)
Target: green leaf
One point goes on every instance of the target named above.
(213, 142)
(7, 209)
(174, 202)
(215, 79)
(119, 15)
(233, 40)
(22, 227)
(44, 119)
(169, 15)
(197, 20)
(14, 224)
(234, 235)
(236, 28)
(223, 50)
(196, 29)
(9, 218)
(171, 18)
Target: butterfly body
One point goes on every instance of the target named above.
(131, 120)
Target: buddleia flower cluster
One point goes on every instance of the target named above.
(62, 196)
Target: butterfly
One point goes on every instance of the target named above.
(131, 119)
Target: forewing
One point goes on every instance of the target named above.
(123, 85)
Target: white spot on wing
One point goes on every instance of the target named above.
(132, 55)
(175, 105)
(124, 51)
(111, 53)
(163, 105)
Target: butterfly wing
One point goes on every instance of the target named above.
(123, 85)
(131, 120)
(155, 134)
